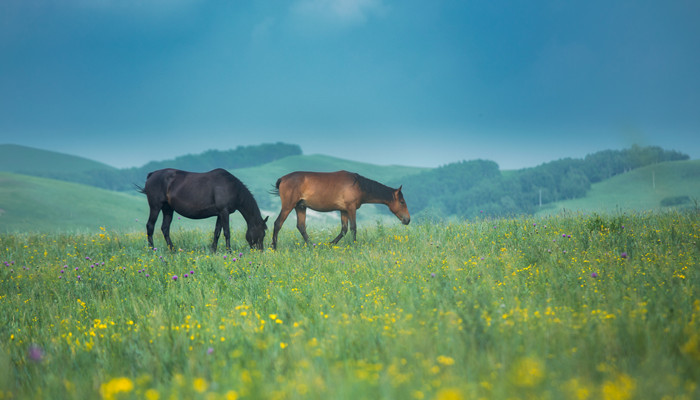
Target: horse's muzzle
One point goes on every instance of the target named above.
(406, 220)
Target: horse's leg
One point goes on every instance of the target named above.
(165, 227)
(217, 233)
(344, 226)
(278, 225)
(353, 225)
(227, 229)
(151, 224)
(301, 222)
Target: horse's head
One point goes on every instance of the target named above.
(256, 234)
(399, 208)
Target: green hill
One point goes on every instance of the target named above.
(32, 204)
(30, 161)
(654, 187)
(35, 204)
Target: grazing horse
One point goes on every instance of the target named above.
(202, 195)
(333, 191)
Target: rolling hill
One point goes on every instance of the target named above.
(35, 204)
(31, 161)
(640, 189)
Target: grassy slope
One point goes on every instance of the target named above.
(641, 189)
(20, 159)
(31, 204)
(37, 204)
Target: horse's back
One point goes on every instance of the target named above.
(315, 180)
(321, 191)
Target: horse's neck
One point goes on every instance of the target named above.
(250, 211)
(370, 199)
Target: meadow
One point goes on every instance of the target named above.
(574, 306)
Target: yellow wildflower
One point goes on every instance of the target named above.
(116, 386)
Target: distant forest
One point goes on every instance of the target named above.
(240, 157)
(478, 188)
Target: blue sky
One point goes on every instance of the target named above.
(421, 83)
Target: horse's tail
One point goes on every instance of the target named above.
(142, 189)
(276, 190)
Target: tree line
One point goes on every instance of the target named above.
(469, 189)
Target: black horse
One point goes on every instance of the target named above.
(202, 195)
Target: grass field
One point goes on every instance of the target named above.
(568, 307)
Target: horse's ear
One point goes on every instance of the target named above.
(265, 220)
(399, 188)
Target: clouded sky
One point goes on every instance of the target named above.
(408, 82)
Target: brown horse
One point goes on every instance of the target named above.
(333, 191)
(202, 195)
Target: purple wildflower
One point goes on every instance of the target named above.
(594, 275)
(624, 254)
(35, 353)
(174, 277)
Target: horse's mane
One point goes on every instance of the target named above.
(247, 198)
(374, 188)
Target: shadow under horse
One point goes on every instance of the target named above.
(193, 195)
(333, 191)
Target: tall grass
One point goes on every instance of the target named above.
(602, 306)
